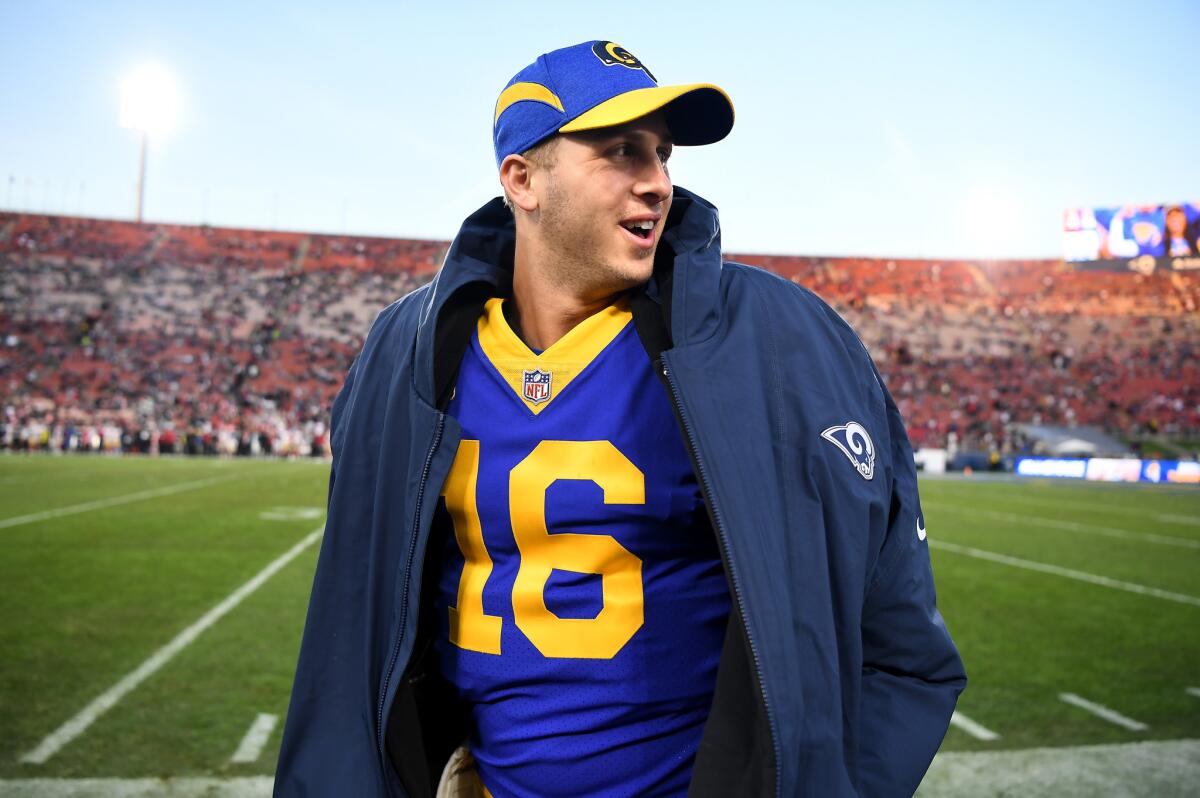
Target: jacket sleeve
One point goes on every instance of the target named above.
(328, 745)
(912, 674)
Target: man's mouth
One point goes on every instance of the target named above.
(643, 229)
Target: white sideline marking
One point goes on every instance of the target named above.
(1133, 770)
(113, 502)
(1070, 526)
(1168, 767)
(106, 700)
(1194, 691)
(972, 728)
(256, 737)
(1103, 712)
(187, 787)
(1069, 573)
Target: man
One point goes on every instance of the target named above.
(608, 516)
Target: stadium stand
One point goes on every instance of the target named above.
(971, 348)
(172, 338)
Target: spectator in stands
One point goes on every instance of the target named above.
(1175, 241)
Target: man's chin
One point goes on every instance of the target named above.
(622, 277)
(637, 270)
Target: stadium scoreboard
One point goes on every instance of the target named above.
(1140, 238)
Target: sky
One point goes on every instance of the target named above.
(902, 129)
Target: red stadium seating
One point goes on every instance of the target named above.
(212, 335)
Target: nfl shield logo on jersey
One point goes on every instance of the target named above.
(537, 386)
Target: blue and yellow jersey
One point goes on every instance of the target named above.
(581, 596)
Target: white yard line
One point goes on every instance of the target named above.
(100, 504)
(972, 728)
(256, 737)
(1103, 712)
(1193, 691)
(1068, 526)
(1082, 576)
(105, 701)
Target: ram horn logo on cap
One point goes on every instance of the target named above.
(611, 54)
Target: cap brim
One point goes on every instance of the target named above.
(697, 113)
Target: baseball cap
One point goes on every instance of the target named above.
(600, 84)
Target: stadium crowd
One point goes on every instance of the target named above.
(184, 340)
(116, 336)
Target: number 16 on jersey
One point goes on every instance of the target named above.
(541, 553)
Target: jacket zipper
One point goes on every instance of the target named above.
(408, 568)
(723, 539)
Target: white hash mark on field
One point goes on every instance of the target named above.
(1070, 526)
(1082, 576)
(1194, 691)
(972, 728)
(1179, 519)
(1103, 712)
(105, 701)
(100, 504)
(256, 737)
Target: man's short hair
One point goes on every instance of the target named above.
(542, 156)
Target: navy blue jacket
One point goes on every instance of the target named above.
(837, 675)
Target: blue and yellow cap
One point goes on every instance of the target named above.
(600, 84)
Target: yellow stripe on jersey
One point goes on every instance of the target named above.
(563, 361)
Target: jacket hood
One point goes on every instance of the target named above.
(480, 262)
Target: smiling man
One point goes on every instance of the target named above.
(609, 516)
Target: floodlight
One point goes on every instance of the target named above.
(992, 217)
(149, 105)
(149, 99)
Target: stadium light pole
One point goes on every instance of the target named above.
(141, 183)
(149, 104)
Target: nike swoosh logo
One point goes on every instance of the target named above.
(920, 530)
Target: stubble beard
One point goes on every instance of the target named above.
(577, 248)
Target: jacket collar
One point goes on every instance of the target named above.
(479, 264)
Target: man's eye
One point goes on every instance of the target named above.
(664, 155)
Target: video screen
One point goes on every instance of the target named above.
(1131, 231)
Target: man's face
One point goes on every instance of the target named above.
(603, 203)
(1176, 222)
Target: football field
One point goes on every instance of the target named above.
(152, 609)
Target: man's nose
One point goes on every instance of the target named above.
(655, 181)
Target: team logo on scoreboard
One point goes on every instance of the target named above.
(537, 386)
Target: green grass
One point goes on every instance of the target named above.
(1027, 636)
(88, 596)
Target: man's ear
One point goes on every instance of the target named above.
(516, 176)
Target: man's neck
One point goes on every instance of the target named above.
(543, 312)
